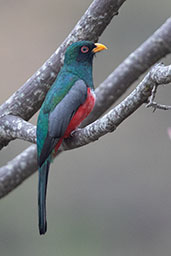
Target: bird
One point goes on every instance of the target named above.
(68, 102)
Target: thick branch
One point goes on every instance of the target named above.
(15, 172)
(27, 100)
(12, 127)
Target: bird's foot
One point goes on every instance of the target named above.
(74, 131)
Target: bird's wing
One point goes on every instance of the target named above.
(60, 117)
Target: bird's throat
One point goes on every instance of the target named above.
(83, 71)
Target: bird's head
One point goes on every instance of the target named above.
(82, 52)
(79, 57)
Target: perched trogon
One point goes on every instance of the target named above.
(67, 103)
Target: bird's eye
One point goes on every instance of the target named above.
(84, 49)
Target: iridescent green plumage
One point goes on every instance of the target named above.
(70, 92)
(59, 89)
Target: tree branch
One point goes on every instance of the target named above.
(152, 50)
(158, 79)
(25, 164)
(26, 101)
(154, 104)
(17, 170)
(12, 127)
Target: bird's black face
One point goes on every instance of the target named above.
(82, 52)
(85, 52)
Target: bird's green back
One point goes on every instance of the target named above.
(57, 92)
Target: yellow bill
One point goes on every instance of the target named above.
(99, 47)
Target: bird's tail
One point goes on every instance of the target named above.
(43, 178)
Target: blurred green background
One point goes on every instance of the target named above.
(112, 197)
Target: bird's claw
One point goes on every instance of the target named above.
(74, 131)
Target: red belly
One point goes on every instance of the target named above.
(81, 113)
(79, 116)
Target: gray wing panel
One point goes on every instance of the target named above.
(60, 117)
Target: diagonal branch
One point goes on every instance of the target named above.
(152, 50)
(25, 164)
(17, 170)
(12, 127)
(26, 101)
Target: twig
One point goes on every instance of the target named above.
(159, 80)
(156, 105)
(153, 94)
